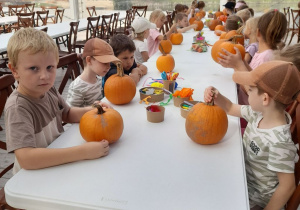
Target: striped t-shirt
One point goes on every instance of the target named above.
(266, 151)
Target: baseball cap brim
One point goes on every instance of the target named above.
(243, 78)
(106, 58)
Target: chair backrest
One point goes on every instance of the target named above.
(59, 14)
(295, 18)
(114, 23)
(169, 19)
(29, 7)
(52, 10)
(165, 27)
(26, 20)
(72, 36)
(42, 16)
(92, 27)
(1, 12)
(45, 29)
(286, 12)
(15, 9)
(139, 11)
(106, 25)
(128, 19)
(72, 71)
(92, 11)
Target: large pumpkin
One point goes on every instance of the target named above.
(119, 88)
(165, 62)
(199, 24)
(176, 38)
(218, 13)
(206, 123)
(215, 48)
(99, 124)
(229, 46)
(166, 45)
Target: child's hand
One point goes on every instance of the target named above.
(229, 60)
(93, 150)
(103, 104)
(137, 71)
(194, 26)
(174, 28)
(209, 93)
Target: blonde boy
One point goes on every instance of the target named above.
(270, 153)
(181, 19)
(35, 110)
(87, 88)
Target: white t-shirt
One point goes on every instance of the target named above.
(82, 93)
(140, 47)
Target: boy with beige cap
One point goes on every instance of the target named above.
(87, 88)
(34, 112)
(270, 154)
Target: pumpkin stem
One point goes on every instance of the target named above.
(120, 71)
(162, 49)
(99, 107)
(212, 100)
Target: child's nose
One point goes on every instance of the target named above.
(44, 74)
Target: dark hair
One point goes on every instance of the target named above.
(185, 7)
(251, 11)
(200, 5)
(121, 43)
(233, 22)
(180, 16)
(272, 27)
(179, 7)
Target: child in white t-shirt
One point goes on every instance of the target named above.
(141, 28)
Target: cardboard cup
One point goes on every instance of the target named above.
(169, 85)
(178, 101)
(154, 97)
(184, 112)
(155, 117)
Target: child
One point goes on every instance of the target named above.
(35, 110)
(179, 8)
(245, 14)
(250, 34)
(196, 7)
(85, 89)
(141, 28)
(239, 4)
(290, 54)
(270, 154)
(182, 22)
(233, 22)
(229, 6)
(124, 48)
(158, 18)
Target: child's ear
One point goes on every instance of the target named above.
(13, 70)
(266, 99)
(88, 59)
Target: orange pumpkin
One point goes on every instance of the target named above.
(222, 36)
(199, 24)
(225, 12)
(213, 23)
(239, 38)
(165, 62)
(119, 88)
(176, 38)
(222, 18)
(219, 29)
(206, 123)
(229, 46)
(218, 13)
(202, 13)
(191, 20)
(166, 44)
(215, 49)
(99, 124)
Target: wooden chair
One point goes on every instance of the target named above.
(29, 7)
(127, 23)
(72, 37)
(165, 27)
(115, 23)
(139, 11)
(13, 10)
(91, 31)
(59, 14)
(51, 9)
(105, 28)
(296, 25)
(45, 29)
(26, 20)
(294, 111)
(41, 16)
(92, 11)
(286, 12)
(72, 71)
(6, 82)
(1, 11)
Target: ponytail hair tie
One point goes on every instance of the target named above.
(276, 10)
(238, 22)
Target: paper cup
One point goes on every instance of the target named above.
(155, 117)
(184, 112)
(178, 101)
(154, 97)
(169, 85)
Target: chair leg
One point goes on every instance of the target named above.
(291, 38)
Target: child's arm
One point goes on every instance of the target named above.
(222, 101)
(145, 55)
(143, 68)
(138, 72)
(37, 158)
(168, 34)
(182, 30)
(247, 58)
(283, 191)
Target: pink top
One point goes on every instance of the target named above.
(153, 42)
(260, 58)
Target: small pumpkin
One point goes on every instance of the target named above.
(176, 38)
(229, 46)
(166, 44)
(165, 62)
(213, 23)
(223, 34)
(206, 123)
(99, 124)
(223, 18)
(119, 88)
(191, 20)
(215, 48)
(199, 24)
(218, 13)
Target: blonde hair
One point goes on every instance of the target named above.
(31, 40)
(289, 54)
(252, 24)
(156, 14)
(245, 14)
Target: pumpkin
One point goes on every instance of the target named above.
(213, 23)
(202, 13)
(199, 24)
(222, 18)
(215, 48)
(225, 12)
(218, 13)
(219, 29)
(239, 36)
(229, 46)
(165, 62)
(223, 34)
(119, 88)
(191, 20)
(206, 123)
(99, 124)
(176, 38)
(166, 44)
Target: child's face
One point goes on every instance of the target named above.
(255, 100)
(127, 59)
(99, 68)
(160, 22)
(183, 23)
(35, 73)
(247, 31)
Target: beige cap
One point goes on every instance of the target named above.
(141, 24)
(100, 50)
(279, 79)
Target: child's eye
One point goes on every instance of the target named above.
(33, 68)
(50, 67)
